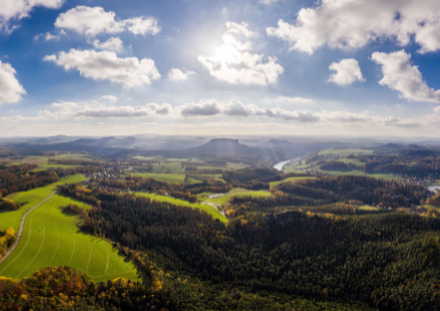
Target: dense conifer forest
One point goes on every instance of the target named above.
(307, 246)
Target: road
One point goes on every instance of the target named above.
(20, 231)
(217, 206)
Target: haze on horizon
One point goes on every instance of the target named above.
(269, 67)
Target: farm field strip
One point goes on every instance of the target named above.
(239, 193)
(436, 207)
(42, 161)
(215, 213)
(290, 179)
(345, 151)
(179, 178)
(63, 244)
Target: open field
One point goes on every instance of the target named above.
(42, 161)
(345, 151)
(367, 208)
(51, 237)
(235, 166)
(290, 179)
(201, 177)
(436, 207)
(289, 168)
(179, 178)
(386, 176)
(28, 199)
(168, 167)
(342, 173)
(239, 192)
(146, 158)
(207, 208)
(360, 173)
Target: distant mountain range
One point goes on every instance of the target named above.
(181, 147)
(222, 146)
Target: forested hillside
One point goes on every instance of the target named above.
(311, 242)
(385, 260)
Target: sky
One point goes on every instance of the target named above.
(186, 67)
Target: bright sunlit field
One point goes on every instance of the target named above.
(51, 237)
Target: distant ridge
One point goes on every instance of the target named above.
(222, 146)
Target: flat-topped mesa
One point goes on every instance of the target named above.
(223, 146)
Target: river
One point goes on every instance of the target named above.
(434, 188)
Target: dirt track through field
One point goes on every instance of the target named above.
(20, 232)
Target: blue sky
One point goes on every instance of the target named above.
(355, 67)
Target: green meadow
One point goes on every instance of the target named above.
(290, 179)
(172, 178)
(436, 207)
(360, 173)
(289, 168)
(28, 199)
(367, 208)
(52, 237)
(207, 208)
(343, 152)
(239, 192)
(42, 161)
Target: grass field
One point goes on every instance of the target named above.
(367, 208)
(290, 179)
(359, 173)
(235, 166)
(289, 168)
(207, 208)
(239, 192)
(386, 176)
(51, 237)
(146, 158)
(179, 178)
(42, 161)
(345, 151)
(28, 199)
(437, 207)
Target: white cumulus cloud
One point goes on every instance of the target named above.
(10, 89)
(347, 72)
(93, 21)
(47, 37)
(104, 65)
(176, 74)
(125, 111)
(112, 44)
(233, 63)
(400, 75)
(205, 108)
(292, 100)
(18, 9)
(110, 97)
(64, 105)
(351, 24)
(235, 108)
